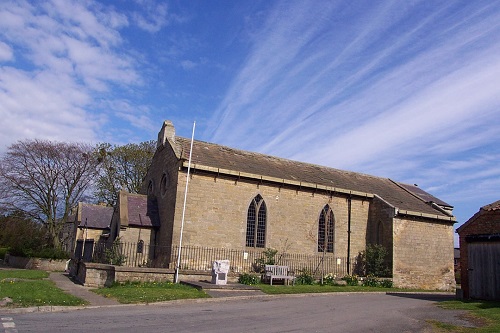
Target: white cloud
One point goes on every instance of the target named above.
(6, 52)
(69, 57)
(152, 17)
(406, 91)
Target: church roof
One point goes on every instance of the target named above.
(221, 157)
(141, 211)
(95, 216)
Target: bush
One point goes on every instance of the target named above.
(330, 280)
(268, 258)
(371, 281)
(304, 278)
(3, 252)
(386, 283)
(26, 238)
(249, 279)
(351, 280)
(113, 255)
(373, 261)
(51, 253)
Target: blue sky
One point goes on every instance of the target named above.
(408, 90)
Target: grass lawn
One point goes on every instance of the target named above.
(26, 288)
(316, 288)
(24, 274)
(149, 292)
(484, 313)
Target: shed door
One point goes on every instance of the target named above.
(484, 270)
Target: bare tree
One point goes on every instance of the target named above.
(45, 180)
(122, 168)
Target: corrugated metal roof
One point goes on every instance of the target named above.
(217, 156)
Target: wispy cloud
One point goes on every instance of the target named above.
(380, 87)
(59, 60)
(152, 17)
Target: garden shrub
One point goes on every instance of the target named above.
(386, 283)
(373, 261)
(268, 258)
(3, 252)
(351, 280)
(304, 278)
(371, 281)
(113, 255)
(51, 253)
(249, 279)
(330, 280)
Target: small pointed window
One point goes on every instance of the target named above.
(326, 230)
(256, 223)
(380, 233)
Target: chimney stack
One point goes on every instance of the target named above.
(167, 132)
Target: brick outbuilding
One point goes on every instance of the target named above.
(480, 254)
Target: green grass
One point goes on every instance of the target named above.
(24, 274)
(26, 293)
(128, 293)
(484, 314)
(316, 288)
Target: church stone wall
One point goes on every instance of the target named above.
(165, 192)
(216, 215)
(423, 254)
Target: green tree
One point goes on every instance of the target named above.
(122, 168)
(44, 180)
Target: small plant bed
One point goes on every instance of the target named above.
(485, 315)
(136, 292)
(26, 293)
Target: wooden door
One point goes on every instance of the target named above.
(484, 270)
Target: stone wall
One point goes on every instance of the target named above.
(380, 226)
(423, 254)
(162, 185)
(217, 206)
(99, 275)
(36, 263)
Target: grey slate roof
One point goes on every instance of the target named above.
(217, 156)
(427, 197)
(95, 216)
(142, 212)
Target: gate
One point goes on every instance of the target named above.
(484, 270)
(84, 251)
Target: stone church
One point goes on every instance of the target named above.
(247, 201)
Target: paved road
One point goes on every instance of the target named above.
(297, 313)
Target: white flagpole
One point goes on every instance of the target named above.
(176, 279)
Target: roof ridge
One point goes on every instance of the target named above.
(247, 152)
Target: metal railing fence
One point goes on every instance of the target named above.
(201, 258)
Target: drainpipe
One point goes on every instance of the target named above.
(349, 234)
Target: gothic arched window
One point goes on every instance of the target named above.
(380, 233)
(256, 223)
(326, 230)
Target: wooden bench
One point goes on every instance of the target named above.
(273, 272)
